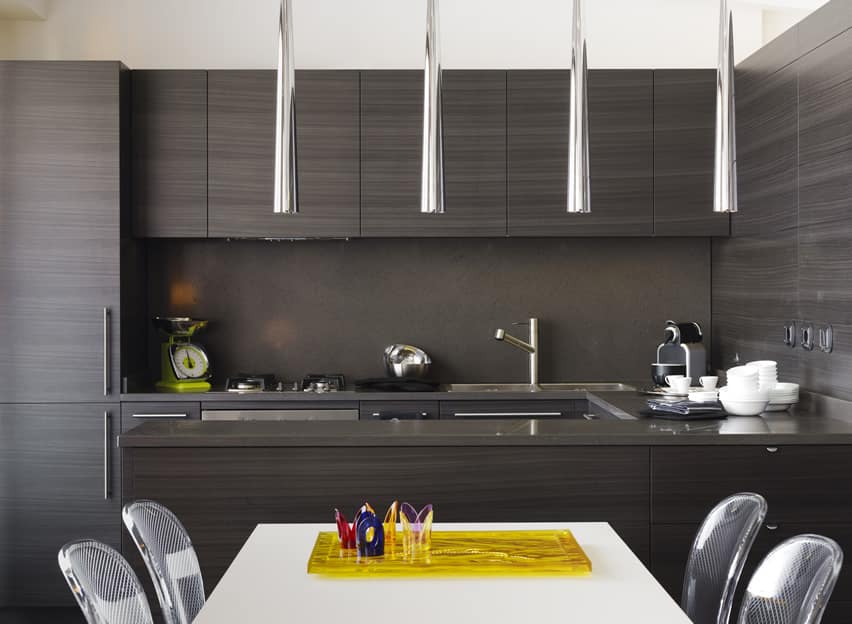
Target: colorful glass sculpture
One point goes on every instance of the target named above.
(416, 528)
(369, 535)
(346, 533)
(391, 518)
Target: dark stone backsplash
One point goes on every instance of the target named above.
(293, 308)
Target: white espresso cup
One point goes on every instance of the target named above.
(678, 383)
(708, 383)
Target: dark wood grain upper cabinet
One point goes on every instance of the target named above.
(60, 230)
(620, 153)
(169, 147)
(474, 154)
(54, 490)
(241, 151)
(684, 122)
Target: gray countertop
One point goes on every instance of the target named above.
(351, 396)
(814, 421)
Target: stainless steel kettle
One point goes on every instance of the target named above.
(403, 360)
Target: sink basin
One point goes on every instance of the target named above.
(545, 387)
(492, 387)
(597, 386)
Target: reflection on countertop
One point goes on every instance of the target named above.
(817, 420)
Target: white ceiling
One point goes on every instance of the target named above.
(389, 33)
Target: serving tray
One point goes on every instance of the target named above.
(459, 554)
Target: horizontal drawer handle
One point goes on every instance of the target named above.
(771, 449)
(524, 414)
(771, 527)
(160, 415)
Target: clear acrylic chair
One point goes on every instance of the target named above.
(718, 555)
(793, 583)
(170, 558)
(105, 586)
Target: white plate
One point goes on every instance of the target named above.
(778, 407)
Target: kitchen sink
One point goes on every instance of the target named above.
(492, 387)
(545, 387)
(597, 386)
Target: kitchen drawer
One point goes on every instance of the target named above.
(800, 483)
(541, 409)
(134, 414)
(670, 546)
(402, 410)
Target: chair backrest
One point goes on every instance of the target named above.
(104, 584)
(718, 555)
(793, 583)
(170, 558)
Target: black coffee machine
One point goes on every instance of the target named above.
(684, 344)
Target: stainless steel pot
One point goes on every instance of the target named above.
(403, 360)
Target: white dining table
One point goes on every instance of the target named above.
(268, 582)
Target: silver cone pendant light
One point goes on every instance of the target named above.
(579, 192)
(432, 198)
(286, 179)
(725, 166)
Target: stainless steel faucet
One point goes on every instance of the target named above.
(530, 347)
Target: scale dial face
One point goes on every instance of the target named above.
(189, 361)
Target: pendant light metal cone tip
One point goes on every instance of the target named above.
(725, 165)
(286, 178)
(579, 192)
(432, 199)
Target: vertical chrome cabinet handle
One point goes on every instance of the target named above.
(106, 352)
(107, 440)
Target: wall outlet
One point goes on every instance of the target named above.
(807, 336)
(826, 338)
(790, 334)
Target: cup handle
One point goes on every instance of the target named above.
(667, 380)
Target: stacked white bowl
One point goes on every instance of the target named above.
(743, 395)
(767, 373)
(782, 396)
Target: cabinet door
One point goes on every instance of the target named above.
(241, 147)
(60, 202)
(60, 482)
(620, 153)
(671, 543)
(684, 126)
(800, 483)
(169, 146)
(474, 154)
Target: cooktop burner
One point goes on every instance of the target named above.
(323, 383)
(245, 382)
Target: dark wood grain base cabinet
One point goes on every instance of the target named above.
(655, 497)
(60, 469)
(222, 493)
(807, 490)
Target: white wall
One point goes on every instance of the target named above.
(378, 33)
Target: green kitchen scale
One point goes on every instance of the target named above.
(184, 366)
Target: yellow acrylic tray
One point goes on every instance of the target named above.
(459, 554)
